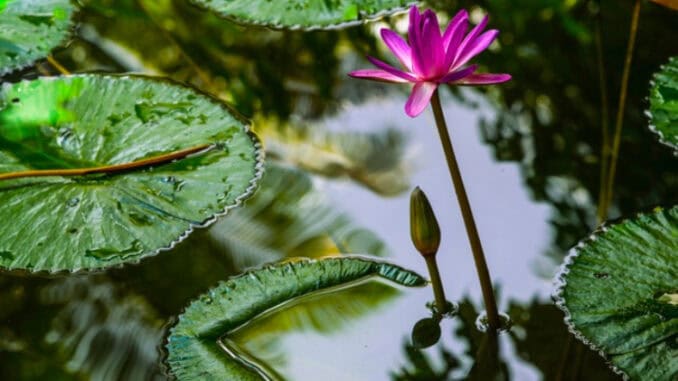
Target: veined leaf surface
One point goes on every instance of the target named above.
(619, 290)
(29, 30)
(664, 103)
(195, 347)
(85, 222)
(302, 14)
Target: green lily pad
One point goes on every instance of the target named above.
(195, 347)
(619, 291)
(663, 111)
(303, 14)
(94, 221)
(29, 30)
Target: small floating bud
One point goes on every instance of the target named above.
(423, 224)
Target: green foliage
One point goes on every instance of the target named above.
(29, 30)
(618, 290)
(195, 348)
(72, 223)
(664, 103)
(302, 14)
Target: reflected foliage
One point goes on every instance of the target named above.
(109, 326)
(549, 117)
(536, 331)
(538, 326)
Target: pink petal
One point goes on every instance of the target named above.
(419, 98)
(471, 37)
(376, 75)
(413, 36)
(398, 46)
(484, 79)
(474, 48)
(431, 44)
(454, 33)
(428, 56)
(457, 75)
(390, 69)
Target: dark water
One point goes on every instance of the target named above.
(529, 152)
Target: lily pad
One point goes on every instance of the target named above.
(29, 30)
(87, 222)
(619, 291)
(303, 14)
(195, 347)
(663, 111)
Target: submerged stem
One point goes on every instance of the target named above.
(108, 169)
(620, 109)
(57, 65)
(467, 214)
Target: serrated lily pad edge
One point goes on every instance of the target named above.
(560, 283)
(65, 40)
(660, 135)
(307, 28)
(259, 169)
(173, 321)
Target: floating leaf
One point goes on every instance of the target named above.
(664, 103)
(195, 348)
(29, 30)
(303, 14)
(86, 222)
(618, 290)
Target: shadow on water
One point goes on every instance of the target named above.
(108, 326)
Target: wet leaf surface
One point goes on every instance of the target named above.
(71, 223)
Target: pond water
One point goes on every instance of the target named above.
(345, 156)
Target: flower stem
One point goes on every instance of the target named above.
(155, 160)
(471, 230)
(620, 110)
(436, 283)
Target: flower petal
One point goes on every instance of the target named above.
(398, 46)
(376, 75)
(431, 46)
(457, 75)
(474, 48)
(471, 37)
(484, 79)
(413, 36)
(390, 69)
(453, 35)
(419, 98)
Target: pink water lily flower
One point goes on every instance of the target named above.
(432, 58)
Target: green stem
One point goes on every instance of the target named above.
(620, 109)
(436, 283)
(108, 169)
(469, 222)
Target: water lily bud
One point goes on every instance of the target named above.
(423, 224)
